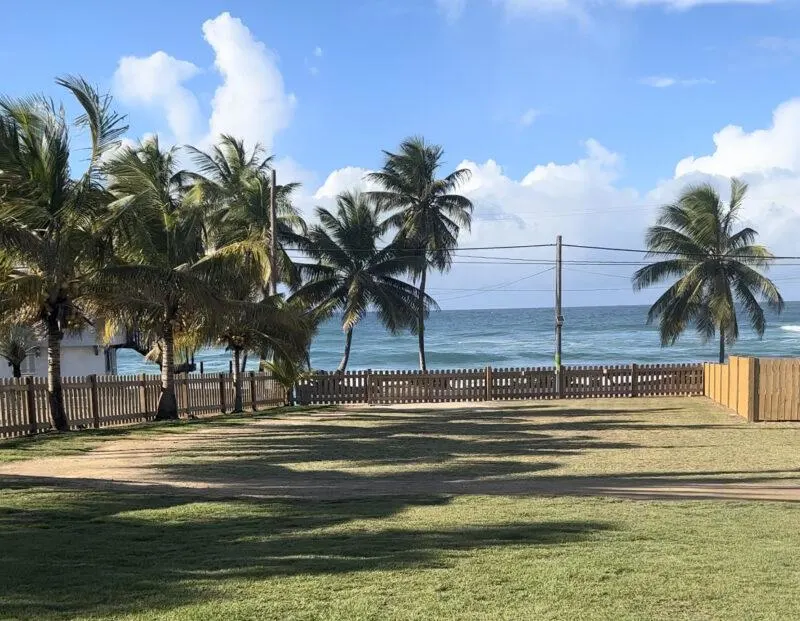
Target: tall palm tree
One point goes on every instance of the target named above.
(426, 211)
(47, 217)
(355, 275)
(159, 283)
(717, 268)
(235, 184)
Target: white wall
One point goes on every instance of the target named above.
(78, 358)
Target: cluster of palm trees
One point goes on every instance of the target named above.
(182, 257)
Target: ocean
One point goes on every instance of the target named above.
(516, 338)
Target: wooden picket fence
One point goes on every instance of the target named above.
(489, 384)
(107, 400)
(758, 389)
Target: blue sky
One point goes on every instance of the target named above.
(573, 114)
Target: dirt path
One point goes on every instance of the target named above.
(244, 463)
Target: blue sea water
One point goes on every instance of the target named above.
(517, 338)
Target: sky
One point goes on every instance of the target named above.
(575, 117)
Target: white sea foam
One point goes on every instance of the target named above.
(791, 328)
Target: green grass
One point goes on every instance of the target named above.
(150, 552)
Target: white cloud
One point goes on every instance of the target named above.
(347, 178)
(660, 81)
(251, 102)
(774, 149)
(528, 117)
(156, 81)
(318, 52)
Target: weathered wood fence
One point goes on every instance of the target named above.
(759, 389)
(101, 401)
(489, 384)
(106, 400)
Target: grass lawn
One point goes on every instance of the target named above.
(410, 514)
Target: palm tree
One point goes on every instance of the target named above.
(236, 187)
(426, 211)
(158, 283)
(47, 218)
(16, 344)
(251, 323)
(716, 266)
(354, 274)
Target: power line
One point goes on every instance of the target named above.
(576, 269)
(458, 249)
(498, 285)
(680, 254)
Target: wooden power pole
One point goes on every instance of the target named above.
(273, 236)
(559, 321)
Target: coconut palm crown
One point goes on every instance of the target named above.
(717, 268)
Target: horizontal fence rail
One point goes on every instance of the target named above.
(107, 400)
(489, 384)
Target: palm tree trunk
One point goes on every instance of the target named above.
(721, 344)
(348, 339)
(167, 403)
(244, 362)
(16, 370)
(55, 392)
(237, 380)
(421, 320)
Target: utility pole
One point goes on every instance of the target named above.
(559, 320)
(273, 237)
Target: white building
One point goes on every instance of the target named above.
(81, 354)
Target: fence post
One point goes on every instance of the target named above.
(253, 390)
(634, 381)
(367, 382)
(222, 407)
(202, 368)
(186, 398)
(753, 377)
(143, 395)
(561, 381)
(94, 401)
(30, 400)
(489, 383)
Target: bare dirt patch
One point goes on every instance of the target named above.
(646, 449)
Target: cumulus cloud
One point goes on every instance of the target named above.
(251, 101)
(761, 151)
(156, 82)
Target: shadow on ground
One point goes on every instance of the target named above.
(105, 549)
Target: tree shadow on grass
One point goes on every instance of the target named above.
(131, 549)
